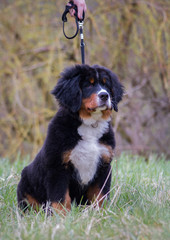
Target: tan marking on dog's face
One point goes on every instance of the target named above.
(106, 114)
(91, 102)
(91, 80)
(94, 194)
(33, 202)
(64, 206)
(104, 80)
(87, 105)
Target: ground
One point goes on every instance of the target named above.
(139, 205)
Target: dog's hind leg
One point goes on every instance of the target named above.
(25, 194)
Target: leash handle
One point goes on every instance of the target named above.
(77, 29)
(77, 20)
(64, 18)
(79, 26)
(68, 7)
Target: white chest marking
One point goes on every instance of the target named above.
(85, 156)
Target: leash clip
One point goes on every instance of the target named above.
(82, 44)
(80, 24)
(81, 33)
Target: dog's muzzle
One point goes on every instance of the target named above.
(104, 99)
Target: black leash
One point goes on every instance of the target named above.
(79, 24)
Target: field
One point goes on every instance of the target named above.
(139, 206)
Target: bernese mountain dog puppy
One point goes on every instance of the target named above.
(74, 164)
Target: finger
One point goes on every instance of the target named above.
(80, 12)
(85, 7)
(81, 8)
(72, 12)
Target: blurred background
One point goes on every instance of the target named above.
(129, 37)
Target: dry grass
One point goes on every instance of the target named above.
(138, 206)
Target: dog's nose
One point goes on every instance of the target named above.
(103, 96)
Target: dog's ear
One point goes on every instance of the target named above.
(67, 91)
(117, 90)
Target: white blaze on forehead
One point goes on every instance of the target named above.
(97, 74)
(102, 91)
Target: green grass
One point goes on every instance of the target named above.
(139, 206)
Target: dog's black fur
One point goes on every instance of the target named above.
(52, 176)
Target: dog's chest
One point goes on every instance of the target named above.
(86, 155)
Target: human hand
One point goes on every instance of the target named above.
(81, 6)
